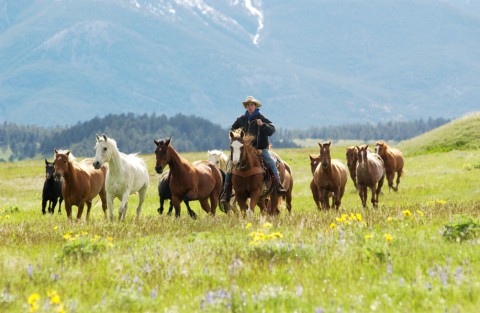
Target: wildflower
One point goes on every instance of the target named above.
(388, 237)
(54, 297)
(248, 226)
(359, 217)
(420, 213)
(333, 225)
(267, 225)
(34, 297)
(278, 234)
(55, 227)
(109, 238)
(441, 202)
(7, 217)
(407, 213)
(368, 236)
(67, 236)
(389, 219)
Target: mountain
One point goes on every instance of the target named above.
(311, 62)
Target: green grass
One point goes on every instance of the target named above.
(163, 264)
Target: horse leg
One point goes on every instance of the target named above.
(44, 204)
(398, 181)
(190, 211)
(160, 209)
(80, 210)
(176, 204)
(60, 205)
(103, 198)
(170, 209)
(338, 197)
(53, 204)
(89, 206)
(374, 200)
(206, 206)
(141, 194)
(390, 176)
(110, 205)
(68, 208)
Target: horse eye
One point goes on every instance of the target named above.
(105, 149)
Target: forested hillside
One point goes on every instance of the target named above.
(189, 133)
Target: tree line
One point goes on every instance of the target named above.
(135, 133)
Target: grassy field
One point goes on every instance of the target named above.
(397, 258)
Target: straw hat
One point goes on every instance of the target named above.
(252, 100)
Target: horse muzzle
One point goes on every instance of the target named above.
(57, 176)
(324, 165)
(159, 169)
(96, 165)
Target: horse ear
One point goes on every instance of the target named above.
(97, 137)
(68, 152)
(167, 141)
(242, 133)
(46, 162)
(105, 137)
(56, 151)
(319, 144)
(156, 142)
(311, 157)
(329, 143)
(231, 135)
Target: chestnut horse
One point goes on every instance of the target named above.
(330, 176)
(352, 163)
(248, 177)
(81, 182)
(370, 174)
(199, 181)
(393, 160)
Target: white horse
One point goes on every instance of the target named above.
(127, 174)
(220, 160)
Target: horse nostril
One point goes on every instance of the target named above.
(96, 164)
(159, 169)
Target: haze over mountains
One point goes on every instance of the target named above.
(311, 62)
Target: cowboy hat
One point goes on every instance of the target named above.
(252, 100)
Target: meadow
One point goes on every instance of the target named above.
(418, 252)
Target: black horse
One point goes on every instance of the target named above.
(165, 194)
(52, 190)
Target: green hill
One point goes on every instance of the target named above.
(460, 134)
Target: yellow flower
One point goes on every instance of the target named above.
(441, 202)
(368, 236)
(67, 235)
(34, 297)
(352, 217)
(407, 213)
(333, 226)
(359, 217)
(33, 307)
(109, 238)
(267, 225)
(248, 226)
(7, 217)
(420, 213)
(389, 219)
(278, 234)
(388, 237)
(55, 227)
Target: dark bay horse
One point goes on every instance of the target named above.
(370, 174)
(52, 190)
(352, 163)
(248, 177)
(314, 162)
(165, 193)
(81, 182)
(200, 181)
(330, 176)
(393, 160)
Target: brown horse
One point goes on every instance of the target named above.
(248, 177)
(81, 182)
(330, 176)
(352, 163)
(370, 174)
(199, 181)
(287, 182)
(314, 162)
(393, 160)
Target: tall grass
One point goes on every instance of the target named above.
(392, 259)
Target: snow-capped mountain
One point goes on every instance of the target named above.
(311, 62)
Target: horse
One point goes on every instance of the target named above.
(220, 160)
(370, 173)
(393, 160)
(127, 174)
(81, 182)
(352, 163)
(248, 176)
(52, 190)
(165, 193)
(198, 181)
(314, 161)
(330, 176)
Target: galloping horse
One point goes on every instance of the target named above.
(127, 174)
(248, 176)
(370, 173)
(199, 181)
(330, 176)
(220, 160)
(393, 160)
(81, 182)
(52, 190)
(352, 163)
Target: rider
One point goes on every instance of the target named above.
(257, 125)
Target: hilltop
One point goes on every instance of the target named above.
(460, 134)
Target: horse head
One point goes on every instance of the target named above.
(161, 154)
(325, 154)
(215, 156)
(380, 148)
(49, 169)
(103, 150)
(362, 154)
(351, 156)
(237, 144)
(314, 161)
(60, 163)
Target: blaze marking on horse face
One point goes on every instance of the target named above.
(236, 153)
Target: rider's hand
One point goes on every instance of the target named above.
(259, 122)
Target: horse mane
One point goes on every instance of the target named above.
(71, 157)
